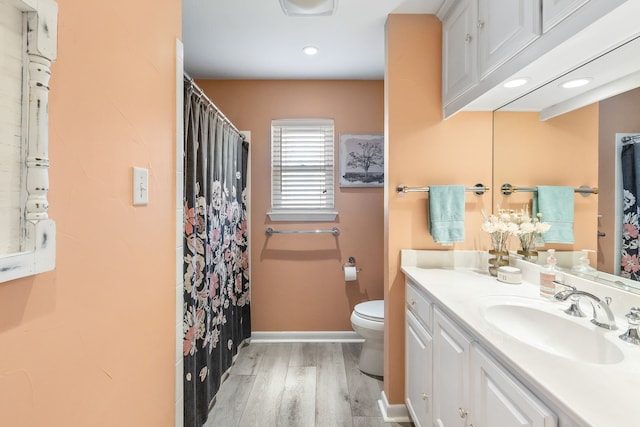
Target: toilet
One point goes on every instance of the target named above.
(367, 320)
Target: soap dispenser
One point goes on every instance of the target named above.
(583, 267)
(549, 273)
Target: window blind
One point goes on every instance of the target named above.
(302, 165)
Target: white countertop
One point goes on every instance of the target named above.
(599, 395)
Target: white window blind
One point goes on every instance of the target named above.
(302, 170)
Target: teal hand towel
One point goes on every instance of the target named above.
(555, 203)
(446, 213)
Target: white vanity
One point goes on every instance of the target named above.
(482, 353)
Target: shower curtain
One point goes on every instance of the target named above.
(630, 161)
(216, 315)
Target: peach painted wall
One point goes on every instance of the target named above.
(559, 151)
(297, 280)
(619, 114)
(93, 342)
(423, 150)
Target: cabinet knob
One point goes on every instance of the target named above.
(462, 412)
(413, 302)
(480, 24)
(425, 396)
(468, 38)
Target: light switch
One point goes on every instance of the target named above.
(140, 186)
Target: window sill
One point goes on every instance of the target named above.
(302, 216)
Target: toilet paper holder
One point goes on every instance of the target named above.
(351, 262)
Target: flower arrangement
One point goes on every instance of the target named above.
(507, 223)
(500, 227)
(530, 231)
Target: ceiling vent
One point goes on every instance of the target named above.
(308, 7)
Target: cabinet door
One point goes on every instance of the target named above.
(418, 372)
(554, 11)
(450, 374)
(500, 400)
(459, 50)
(504, 29)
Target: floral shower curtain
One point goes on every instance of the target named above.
(216, 315)
(630, 161)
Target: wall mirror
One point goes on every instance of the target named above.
(573, 142)
(28, 30)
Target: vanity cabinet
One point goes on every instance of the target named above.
(450, 373)
(418, 357)
(469, 387)
(554, 11)
(480, 35)
(499, 399)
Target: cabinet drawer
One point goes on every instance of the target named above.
(420, 305)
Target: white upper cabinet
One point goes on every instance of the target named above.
(480, 35)
(504, 29)
(459, 49)
(487, 42)
(554, 11)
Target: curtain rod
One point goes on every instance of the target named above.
(201, 94)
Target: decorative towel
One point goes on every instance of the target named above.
(446, 213)
(556, 206)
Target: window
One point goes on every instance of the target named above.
(302, 170)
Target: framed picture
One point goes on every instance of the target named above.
(362, 160)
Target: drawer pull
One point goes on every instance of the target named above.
(462, 412)
(425, 396)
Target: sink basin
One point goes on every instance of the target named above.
(545, 326)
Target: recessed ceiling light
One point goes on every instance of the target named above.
(520, 81)
(308, 7)
(569, 84)
(310, 50)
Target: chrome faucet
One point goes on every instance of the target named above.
(602, 314)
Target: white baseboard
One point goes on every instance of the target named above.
(393, 413)
(306, 336)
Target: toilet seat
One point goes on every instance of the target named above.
(371, 310)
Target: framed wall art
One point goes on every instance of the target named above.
(362, 160)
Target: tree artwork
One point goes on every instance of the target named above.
(370, 154)
(362, 161)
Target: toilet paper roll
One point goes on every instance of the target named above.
(350, 274)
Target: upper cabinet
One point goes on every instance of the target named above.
(554, 11)
(504, 29)
(480, 35)
(487, 42)
(459, 49)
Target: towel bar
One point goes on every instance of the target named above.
(508, 189)
(335, 231)
(401, 189)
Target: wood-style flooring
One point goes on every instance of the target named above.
(298, 385)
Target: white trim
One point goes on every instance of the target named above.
(393, 413)
(306, 336)
(302, 216)
(179, 149)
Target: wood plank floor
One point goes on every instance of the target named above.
(298, 385)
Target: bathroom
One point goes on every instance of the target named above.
(102, 315)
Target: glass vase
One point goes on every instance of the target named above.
(500, 258)
(528, 247)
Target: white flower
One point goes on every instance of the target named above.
(526, 227)
(542, 227)
(489, 227)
